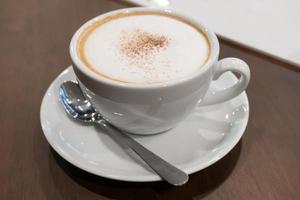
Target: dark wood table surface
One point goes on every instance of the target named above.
(34, 41)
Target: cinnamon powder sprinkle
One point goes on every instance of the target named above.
(140, 44)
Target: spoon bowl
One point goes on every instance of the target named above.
(75, 104)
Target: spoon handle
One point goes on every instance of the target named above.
(164, 169)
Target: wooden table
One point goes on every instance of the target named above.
(34, 39)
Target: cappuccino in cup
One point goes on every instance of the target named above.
(143, 47)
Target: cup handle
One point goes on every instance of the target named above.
(224, 65)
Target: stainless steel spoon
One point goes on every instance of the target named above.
(78, 107)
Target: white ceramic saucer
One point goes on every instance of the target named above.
(206, 136)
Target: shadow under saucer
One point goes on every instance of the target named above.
(200, 183)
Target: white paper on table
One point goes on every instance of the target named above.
(270, 26)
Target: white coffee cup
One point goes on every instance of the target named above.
(154, 108)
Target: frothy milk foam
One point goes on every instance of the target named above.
(143, 48)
